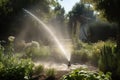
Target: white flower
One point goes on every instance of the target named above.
(11, 38)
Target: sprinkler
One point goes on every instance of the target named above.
(69, 64)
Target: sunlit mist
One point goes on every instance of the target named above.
(61, 47)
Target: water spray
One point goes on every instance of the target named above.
(61, 47)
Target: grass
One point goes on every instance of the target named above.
(38, 69)
(50, 72)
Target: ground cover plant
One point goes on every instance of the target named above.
(83, 74)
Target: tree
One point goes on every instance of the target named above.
(12, 10)
(109, 9)
(78, 16)
(58, 20)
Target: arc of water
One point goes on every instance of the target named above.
(67, 55)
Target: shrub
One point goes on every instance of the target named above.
(38, 69)
(15, 70)
(109, 59)
(34, 53)
(12, 68)
(83, 55)
(95, 53)
(87, 52)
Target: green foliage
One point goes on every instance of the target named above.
(89, 53)
(15, 69)
(86, 75)
(109, 8)
(79, 15)
(83, 55)
(44, 51)
(96, 30)
(12, 68)
(11, 12)
(109, 59)
(35, 53)
(51, 72)
(38, 69)
(9, 48)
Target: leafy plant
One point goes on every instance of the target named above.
(109, 59)
(34, 53)
(86, 75)
(16, 70)
(89, 53)
(12, 68)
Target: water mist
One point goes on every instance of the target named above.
(61, 47)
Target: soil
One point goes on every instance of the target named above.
(58, 74)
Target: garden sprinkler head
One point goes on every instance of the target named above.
(69, 64)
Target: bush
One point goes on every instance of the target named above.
(12, 68)
(83, 55)
(38, 69)
(95, 53)
(86, 75)
(34, 53)
(21, 70)
(89, 53)
(109, 59)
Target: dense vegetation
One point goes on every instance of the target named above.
(16, 63)
(14, 68)
(109, 10)
(103, 55)
(81, 74)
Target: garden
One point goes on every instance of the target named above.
(41, 40)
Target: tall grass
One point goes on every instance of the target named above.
(38, 69)
(50, 72)
(110, 59)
